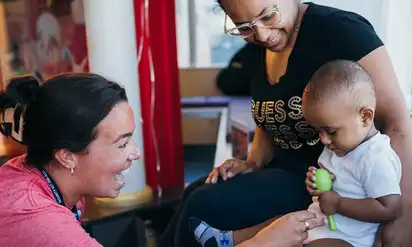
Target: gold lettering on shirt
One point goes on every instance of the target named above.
(281, 120)
(305, 130)
(281, 113)
(295, 104)
(313, 142)
(260, 111)
(289, 137)
(269, 112)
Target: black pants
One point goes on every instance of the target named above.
(243, 201)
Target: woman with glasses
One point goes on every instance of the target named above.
(296, 39)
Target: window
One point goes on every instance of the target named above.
(200, 37)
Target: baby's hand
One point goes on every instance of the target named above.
(310, 181)
(328, 202)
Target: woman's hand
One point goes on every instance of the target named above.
(310, 181)
(229, 169)
(288, 231)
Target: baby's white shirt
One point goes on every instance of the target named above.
(372, 170)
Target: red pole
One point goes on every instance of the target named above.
(164, 147)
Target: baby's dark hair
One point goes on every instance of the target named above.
(341, 78)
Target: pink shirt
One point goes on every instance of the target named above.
(29, 214)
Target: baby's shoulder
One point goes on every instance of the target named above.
(378, 153)
(376, 147)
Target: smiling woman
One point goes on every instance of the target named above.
(254, 191)
(78, 132)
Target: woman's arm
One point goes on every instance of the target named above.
(261, 151)
(288, 231)
(391, 113)
(392, 118)
(248, 243)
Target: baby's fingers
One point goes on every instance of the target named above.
(310, 176)
(314, 192)
(310, 183)
(312, 169)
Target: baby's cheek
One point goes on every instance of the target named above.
(342, 139)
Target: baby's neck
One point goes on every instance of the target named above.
(372, 132)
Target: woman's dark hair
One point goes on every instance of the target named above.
(62, 113)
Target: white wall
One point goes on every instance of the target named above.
(392, 21)
(182, 33)
(398, 39)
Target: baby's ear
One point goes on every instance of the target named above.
(367, 115)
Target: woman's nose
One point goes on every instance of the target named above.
(136, 153)
(261, 33)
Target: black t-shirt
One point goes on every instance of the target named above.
(325, 34)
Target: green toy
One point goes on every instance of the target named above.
(323, 182)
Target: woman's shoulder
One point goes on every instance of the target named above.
(38, 225)
(333, 21)
(341, 33)
(20, 185)
(320, 13)
(23, 186)
(15, 173)
(27, 206)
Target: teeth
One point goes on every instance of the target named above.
(120, 178)
(272, 41)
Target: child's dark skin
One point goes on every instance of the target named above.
(379, 210)
(342, 133)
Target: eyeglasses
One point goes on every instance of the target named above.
(266, 20)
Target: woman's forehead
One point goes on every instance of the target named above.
(119, 121)
(246, 10)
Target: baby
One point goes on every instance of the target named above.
(340, 103)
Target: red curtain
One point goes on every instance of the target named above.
(168, 152)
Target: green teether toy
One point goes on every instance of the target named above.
(323, 182)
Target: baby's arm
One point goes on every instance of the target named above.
(379, 174)
(379, 210)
